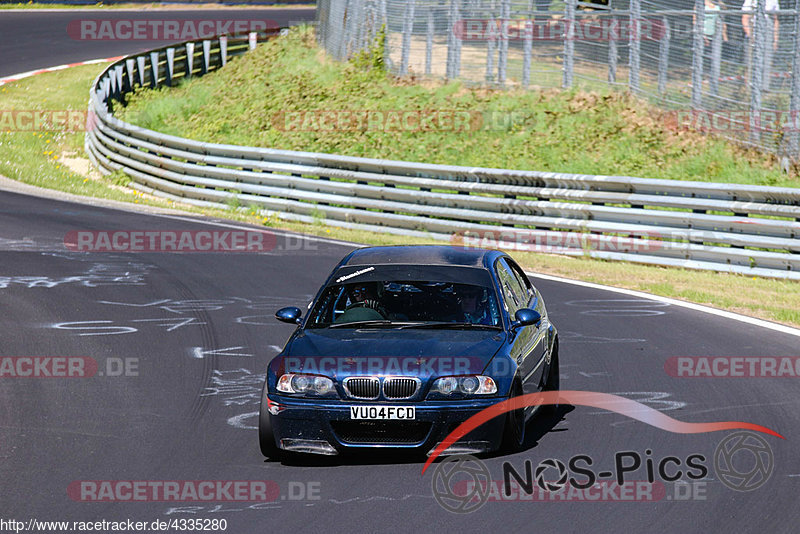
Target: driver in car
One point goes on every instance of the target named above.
(364, 304)
(472, 300)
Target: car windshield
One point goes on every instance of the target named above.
(405, 304)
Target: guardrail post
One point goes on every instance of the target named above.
(613, 54)
(252, 37)
(697, 54)
(408, 28)
(189, 59)
(569, 43)
(130, 66)
(223, 50)
(663, 57)
(206, 56)
(527, 46)
(120, 80)
(429, 42)
(502, 59)
(154, 70)
(757, 73)
(141, 66)
(170, 66)
(794, 99)
(635, 44)
(716, 57)
(112, 86)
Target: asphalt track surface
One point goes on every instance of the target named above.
(34, 39)
(199, 328)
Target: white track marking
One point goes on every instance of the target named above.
(674, 302)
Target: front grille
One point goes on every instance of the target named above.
(399, 387)
(367, 387)
(385, 432)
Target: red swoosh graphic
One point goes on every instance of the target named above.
(604, 401)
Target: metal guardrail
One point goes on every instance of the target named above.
(752, 230)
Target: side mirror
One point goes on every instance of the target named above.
(525, 317)
(289, 315)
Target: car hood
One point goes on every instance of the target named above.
(421, 353)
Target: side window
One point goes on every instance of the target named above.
(523, 282)
(514, 296)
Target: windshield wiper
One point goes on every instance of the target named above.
(446, 324)
(374, 322)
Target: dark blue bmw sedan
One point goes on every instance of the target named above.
(401, 345)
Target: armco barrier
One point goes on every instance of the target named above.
(744, 229)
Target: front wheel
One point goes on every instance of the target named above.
(552, 381)
(266, 436)
(514, 430)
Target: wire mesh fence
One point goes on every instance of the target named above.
(729, 68)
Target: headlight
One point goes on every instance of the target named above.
(305, 384)
(466, 385)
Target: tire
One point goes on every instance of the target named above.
(266, 436)
(514, 430)
(553, 380)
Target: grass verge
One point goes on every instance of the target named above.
(55, 160)
(275, 97)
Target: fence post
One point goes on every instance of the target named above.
(716, 56)
(613, 55)
(663, 58)
(490, 45)
(502, 59)
(635, 44)
(757, 82)
(457, 40)
(794, 101)
(429, 43)
(769, 31)
(527, 46)
(569, 43)
(697, 54)
(408, 28)
(384, 18)
(451, 40)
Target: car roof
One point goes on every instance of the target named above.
(423, 255)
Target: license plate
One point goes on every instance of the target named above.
(382, 412)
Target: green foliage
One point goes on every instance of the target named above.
(274, 97)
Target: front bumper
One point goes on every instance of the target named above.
(320, 426)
